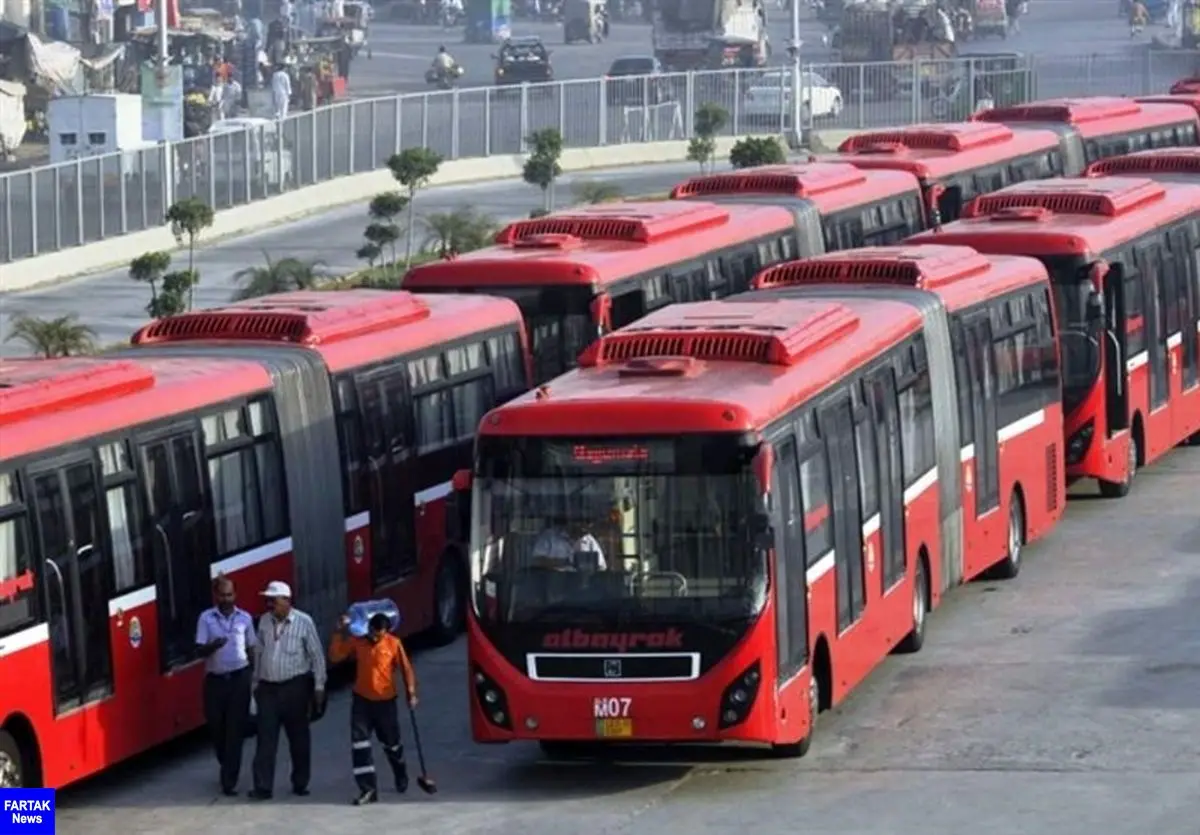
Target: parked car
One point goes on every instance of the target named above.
(771, 95)
(637, 80)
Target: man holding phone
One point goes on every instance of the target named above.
(225, 637)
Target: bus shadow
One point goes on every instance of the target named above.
(1157, 649)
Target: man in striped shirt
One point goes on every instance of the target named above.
(289, 674)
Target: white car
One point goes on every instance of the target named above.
(771, 94)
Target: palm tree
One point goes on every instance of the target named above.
(62, 336)
(280, 276)
(460, 230)
(594, 191)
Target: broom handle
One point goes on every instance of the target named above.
(412, 714)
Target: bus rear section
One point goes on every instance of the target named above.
(659, 552)
(955, 162)
(837, 206)
(1122, 257)
(389, 388)
(1103, 126)
(1171, 164)
(126, 486)
(1006, 379)
(582, 272)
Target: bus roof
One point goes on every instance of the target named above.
(1191, 100)
(1156, 162)
(95, 396)
(1092, 116)
(1186, 85)
(959, 275)
(1070, 216)
(931, 152)
(348, 328)
(601, 244)
(712, 366)
(829, 186)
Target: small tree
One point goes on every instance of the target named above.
(594, 191)
(757, 150)
(460, 230)
(384, 231)
(710, 119)
(61, 336)
(188, 218)
(368, 252)
(543, 168)
(176, 294)
(413, 168)
(276, 277)
(149, 268)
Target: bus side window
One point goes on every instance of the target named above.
(814, 482)
(1047, 347)
(789, 544)
(865, 448)
(246, 476)
(133, 566)
(18, 599)
(507, 364)
(962, 379)
(916, 416)
(1135, 311)
(472, 397)
(350, 442)
(431, 403)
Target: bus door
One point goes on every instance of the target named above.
(836, 422)
(977, 340)
(386, 410)
(77, 575)
(181, 535)
(791, 594)
(1155, 318)
(1187, 292)
(1116, 342)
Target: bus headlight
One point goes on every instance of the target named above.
(739, 696)
(1080, 442)
(492, 700)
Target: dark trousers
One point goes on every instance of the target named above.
(285, 705)
(226, 709)
(383, 719)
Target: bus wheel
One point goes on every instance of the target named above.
(447, 601)
(1120, 489)
(1011, 566)
(915, 639)
(12, 763)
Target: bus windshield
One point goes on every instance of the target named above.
(617, 531)
(1080, 339)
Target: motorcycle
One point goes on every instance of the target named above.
(444, 79)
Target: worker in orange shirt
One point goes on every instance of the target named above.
(377, 657)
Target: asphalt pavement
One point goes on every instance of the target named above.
(113, 305)
(1066, 701)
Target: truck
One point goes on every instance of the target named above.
(710, 34)
(895, 34)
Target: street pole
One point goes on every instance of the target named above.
(796, 134)
(161, 77)
(160, 14)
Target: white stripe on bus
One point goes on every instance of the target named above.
(820, 568)
(967, 453)
(432, 494)
(358, 520)
(871, 526)
(1136, 361)
(1175, 340)
(1198, 326)
(1019, 427)
(252, 557)
(921, 485)
(131, 600)
(24, 639)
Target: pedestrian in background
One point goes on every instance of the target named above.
(225, 639)
(374, 709)
(289, 676)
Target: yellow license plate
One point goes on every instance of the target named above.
(614, 728)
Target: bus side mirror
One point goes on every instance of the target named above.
(764, 465)
(461, 482)
(1096, 275)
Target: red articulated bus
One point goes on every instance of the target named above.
(1006, 373)
(837, 206)
(1123, 257)
(1098, 127)
(726, 588)
(1170, 164)
(1185, 86)
(262, 441)
(1191, 100)
(585, 271)
(955, 162)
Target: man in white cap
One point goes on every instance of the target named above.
(290, 672)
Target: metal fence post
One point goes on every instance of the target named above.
(79, 236)
(11, 245)
(524, 115)
(374, 119)
(602, 128)
(487, 121)
(331, 109)
(425, 120)
(399, 124)
(915, 70)
(455, 117)
(689, 96)
(562, 108)
(33, 214)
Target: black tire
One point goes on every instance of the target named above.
(915, 639)
(790, 750)
(1011, 566)
(449, 603)
(1120, 489)
(14, 768)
